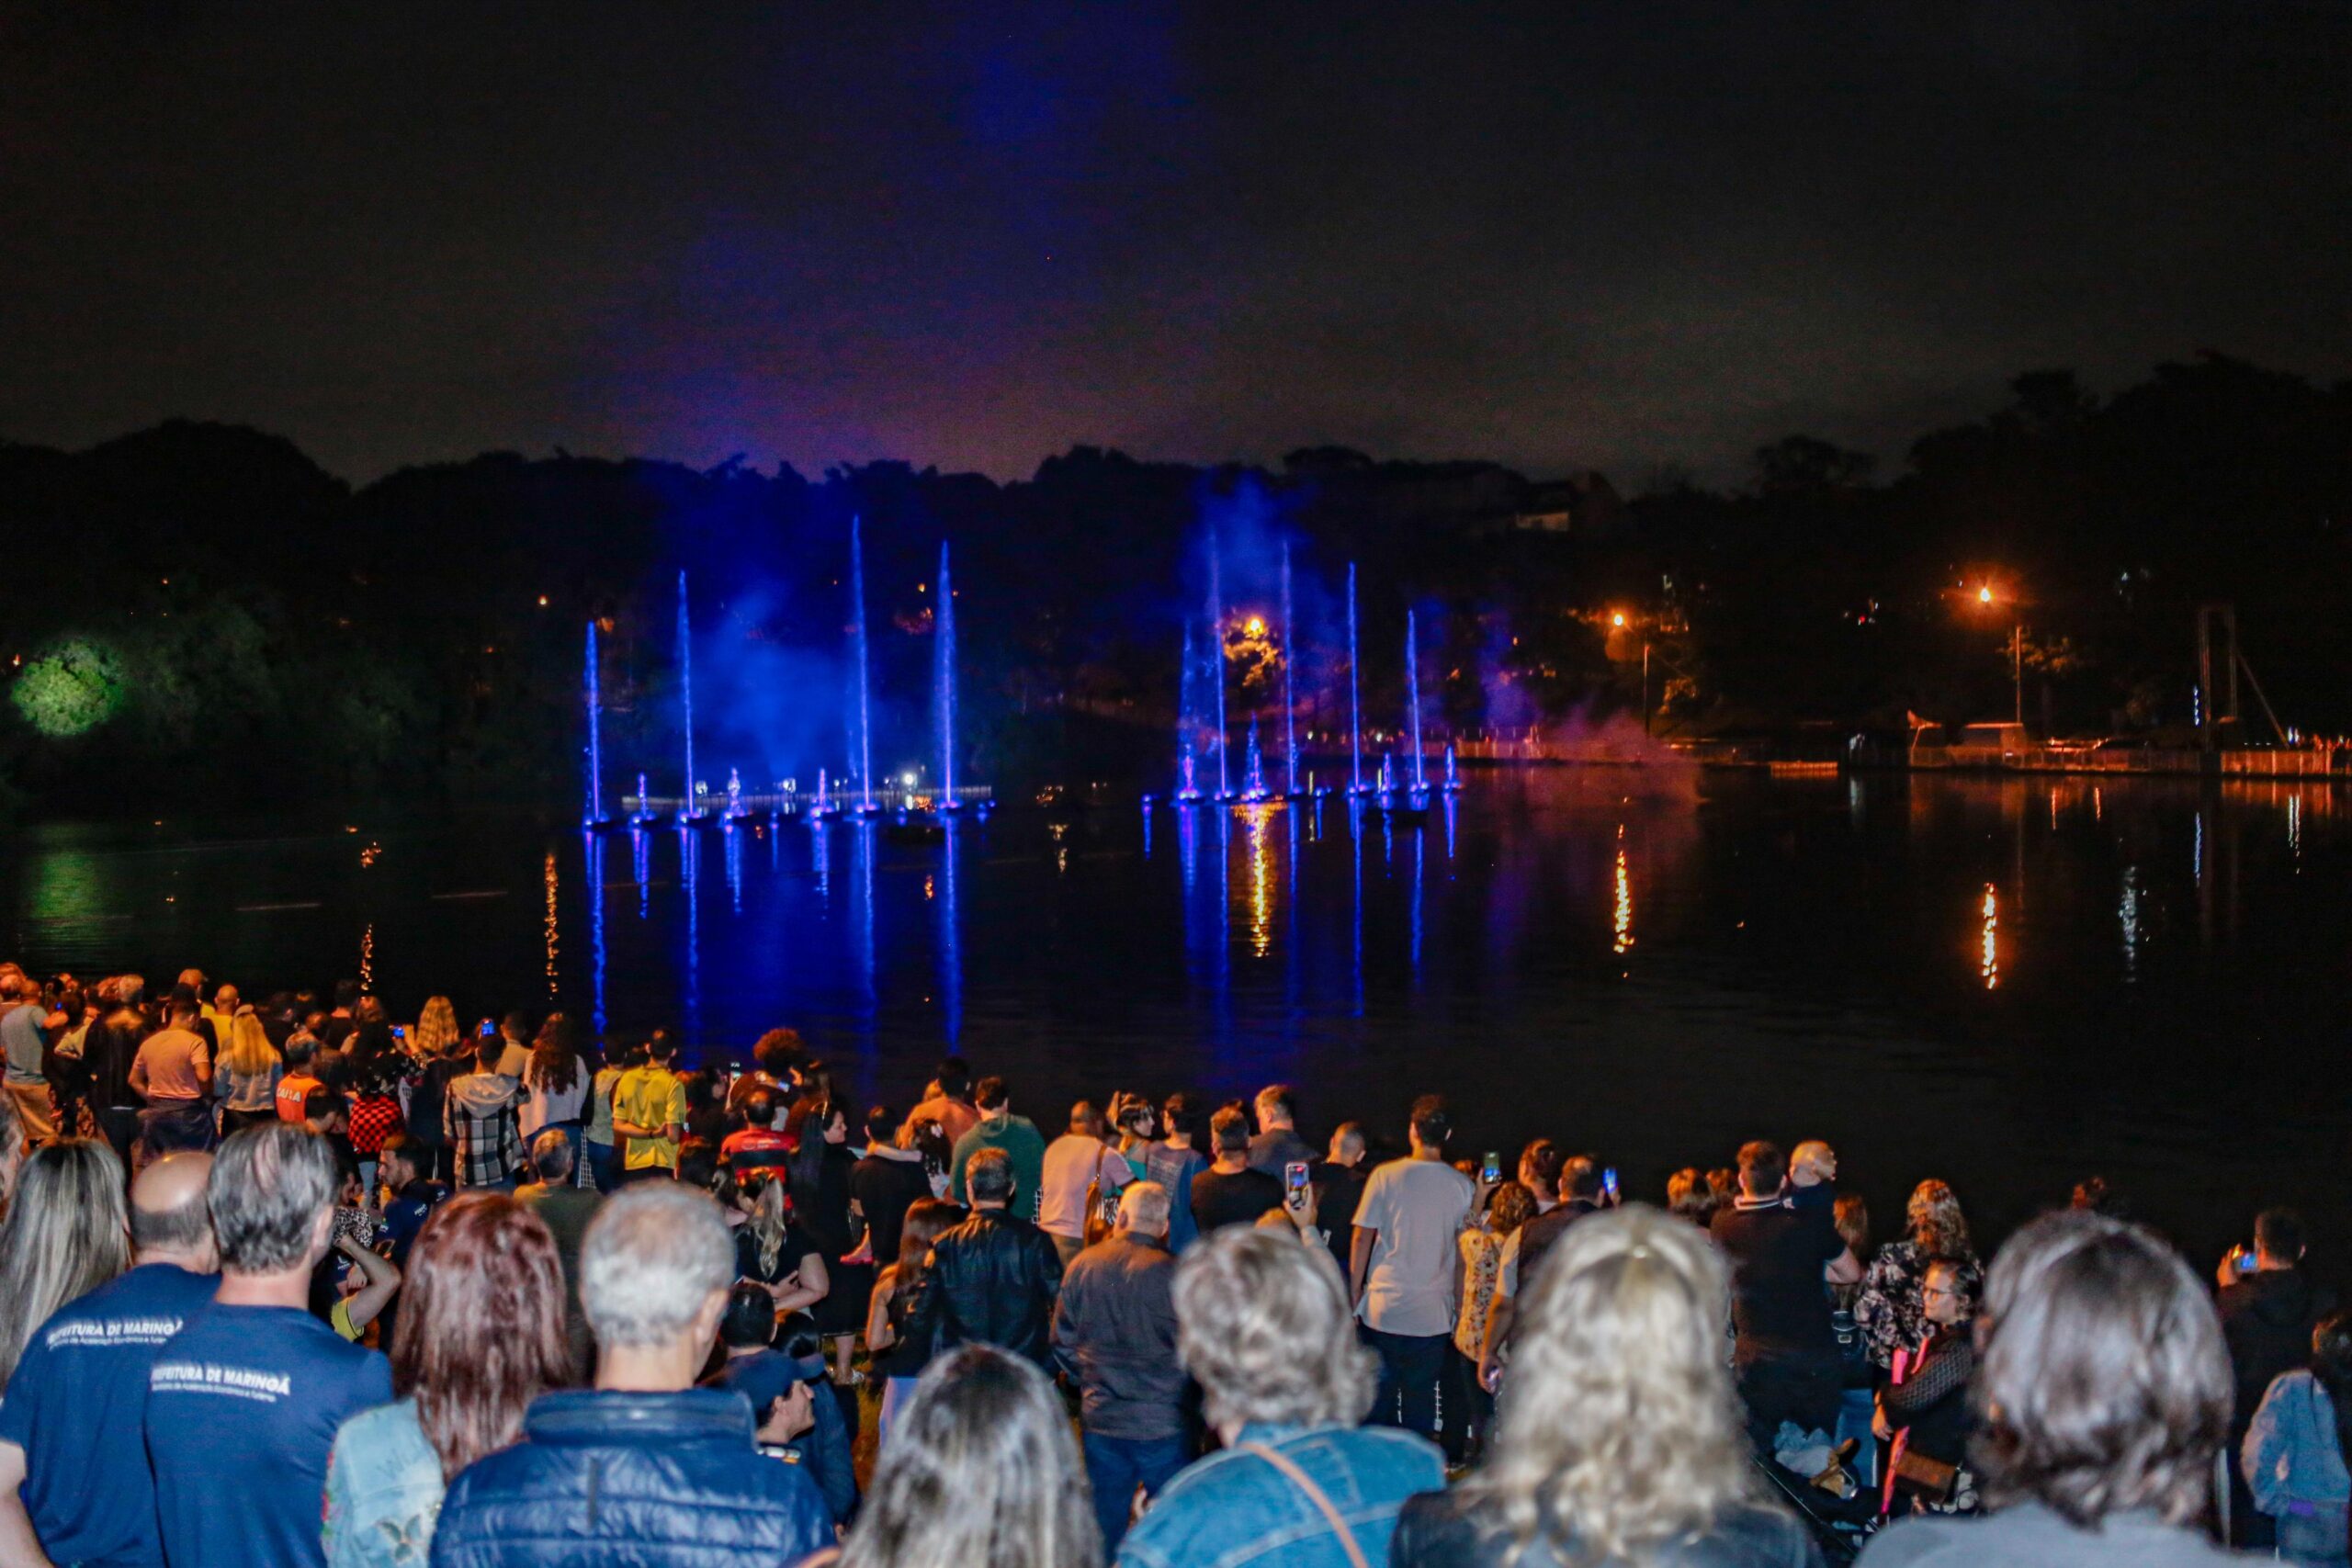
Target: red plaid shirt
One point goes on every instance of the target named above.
(374, 1118)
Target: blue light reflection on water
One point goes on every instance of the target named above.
(1801, 965)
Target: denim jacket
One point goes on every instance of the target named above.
(2291, 1454)
(384, 1491)
(1235, 1510)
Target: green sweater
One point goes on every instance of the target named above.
(1019, 1139)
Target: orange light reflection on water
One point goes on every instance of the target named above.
(1989, 959)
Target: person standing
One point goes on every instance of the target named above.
(1115, 1337)
(2269, 1306)
(556, 1081)
(1278, 1143)
(254, 1374)
(22, 1033)
(566, 1208)
(604, 1152)
(246, 1072)
(1403, 1269)
(1261, 1325)
(2294, 1451)
(1077, 1163)
(1173, 1162)
(1782, 1253)
(649, 1114)
(992, 1279)
(949, 1103)
(1230, 1192)
(1338, 1181)
(514, 1045)
(294, 1086)
(73, 1480)
(64, 1235)
(1016, 1136)
(173, 1073)
(462, 1392)
(1581, 1191)
(758, 1144)
(884, 1184)
(644, 1467)
(477, 1121)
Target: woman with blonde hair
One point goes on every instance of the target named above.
(436, 1029)
(247, 1073)
(1889, 1309)
(67, 1233)
(1620, 1438)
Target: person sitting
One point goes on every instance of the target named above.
(1263, 1325)
(1625, 1318)
(1890, 1309)
(980, 1473)
(643, 1467)
(253, 1375)
(2294, 1451)
(1927, 1407)
(2104, 1394)
(770, 1364)
(462, 1391)
(75, 1486)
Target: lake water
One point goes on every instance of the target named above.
(2010, 983)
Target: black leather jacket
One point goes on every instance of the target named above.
(1440, 1529)
(990, 1280)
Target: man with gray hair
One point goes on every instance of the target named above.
(567, 1210)
(1262, 1323)
(74, 1486)
(644, 1466)
(1115, 1337)
(254, 1378)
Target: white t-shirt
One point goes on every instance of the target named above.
(1419, 1206)
(1073, 1163)
(544, 1106)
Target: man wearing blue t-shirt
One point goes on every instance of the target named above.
(69, 1433)
(242, 1403)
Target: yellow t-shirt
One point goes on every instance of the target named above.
(651, 1097)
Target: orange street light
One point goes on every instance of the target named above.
(1618, 619)
(1985, 594)
(1255, 626)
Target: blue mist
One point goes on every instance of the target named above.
(687, 697)
(595, 737)
(1186, 787)
(1290, 708)
(945, 682)
(1217, 667)
(1413, 700)
(857, 636)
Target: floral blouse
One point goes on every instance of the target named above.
(1888, 1311)
(1482, 1256)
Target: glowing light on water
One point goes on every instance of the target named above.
(548, 881)
(1621, 916)
(951, 957)
(1253, 771)
(1261, 895)
(367, 959)
(732, 859)
(1989, 953)
(641, 868)
(857, 640)
(596, 730)
(2127, 914)
(688, 804)
(690, 874)
(945, 685)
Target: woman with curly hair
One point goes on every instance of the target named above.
(1889, 1310)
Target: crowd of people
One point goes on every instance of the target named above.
(286, 1282)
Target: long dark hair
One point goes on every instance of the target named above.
(927, 1220)
(481, 1329)
(555, 1057)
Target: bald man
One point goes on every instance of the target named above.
(71, 1428)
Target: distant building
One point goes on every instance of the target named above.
(1579, 503)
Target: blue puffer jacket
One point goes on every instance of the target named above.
(619, 1480)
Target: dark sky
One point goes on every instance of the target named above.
(1555, 232)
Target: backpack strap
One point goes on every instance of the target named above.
(1316, 1495)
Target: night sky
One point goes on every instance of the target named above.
(1559, 232)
